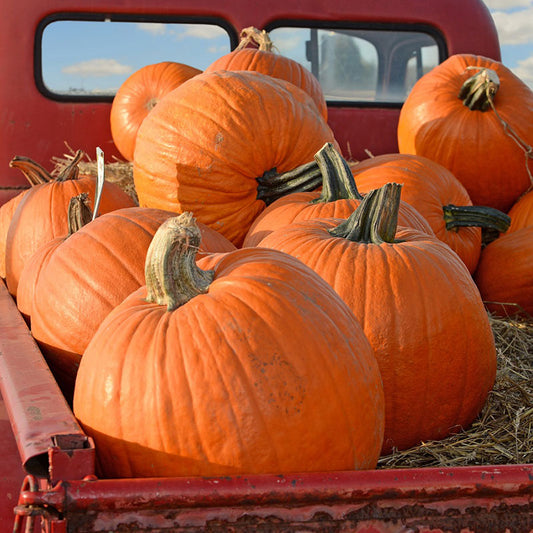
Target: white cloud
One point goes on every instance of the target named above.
(507, 4)
(524, 70)
(203, 31)
(97, 68)
(514, 27)
(155, 28)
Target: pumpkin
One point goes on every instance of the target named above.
(338, 198)
(87, 275)
(138, 95)
(79, 214)
(236, 370)
(220, 144)
(418, 306)
(521, 213)
(42, 214)
(475, 117)
(33, 173)
(437, 195)
(504, 275)
(256, 52)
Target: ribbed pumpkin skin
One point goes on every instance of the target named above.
(473, 145)
(203, 146)
(86, 277)
(423, 315)
(504, 274)
(277, 66)
(428, 187)
(42, 215)
(138, 95)
(298, 207)
(234, 381)
(522, 212)
(6, 214)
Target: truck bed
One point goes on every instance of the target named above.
(48, 472)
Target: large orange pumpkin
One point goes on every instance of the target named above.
(257, 52)
(90, 273)
(504, 274)
(80, 214)
(419, 308)
(42, 214)
(522, 212)
(138, 95)
(475, 117)
(338, 198)
(34, 173)
(219, 146)
(256, 366)
(439, 196)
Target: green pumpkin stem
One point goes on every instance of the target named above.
(478, 91)
(475, 215)
(271, 185)
(338, 182)
(172, 276)
(329, 170)
(375, 220)
(79, 212)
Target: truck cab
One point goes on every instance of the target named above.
(63, 61)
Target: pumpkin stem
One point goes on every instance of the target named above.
(376, 218)
(475, 215)
(71, 171)
(172, 276)
(478, 91)
(255, 37)
(337, 179)
(272, 185)
(33, 172)
(79, 212)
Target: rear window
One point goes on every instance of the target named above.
(362, 65)
(90, 59)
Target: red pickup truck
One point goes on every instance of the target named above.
(62, 62)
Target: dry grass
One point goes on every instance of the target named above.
(503, 432)
(117, 171)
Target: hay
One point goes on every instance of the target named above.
(117, 172)
(503, 432)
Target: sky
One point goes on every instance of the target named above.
(514, 22)
(87, 59)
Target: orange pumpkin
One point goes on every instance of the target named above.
(338, 198)
(34, 174)
(413, 296)
(42, 214)
(79, 214)
(87, 275)
(218, 146)
(214, 373)
(504, 275)
(257, 52)
(475, 117)
(522, 212)
(437, 195)
(138, 95)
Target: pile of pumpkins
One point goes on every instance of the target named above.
(269, 306)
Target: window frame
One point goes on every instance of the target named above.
(113, 17)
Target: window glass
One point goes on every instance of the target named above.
(93, 58)
(360, 65)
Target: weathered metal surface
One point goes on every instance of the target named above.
(480, 499)
(44, 427)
